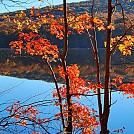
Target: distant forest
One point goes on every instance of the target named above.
(8, 33)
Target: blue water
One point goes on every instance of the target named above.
(27, 91)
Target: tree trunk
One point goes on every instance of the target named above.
(63, 58)
(104, 122)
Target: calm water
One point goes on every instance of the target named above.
(28, 80)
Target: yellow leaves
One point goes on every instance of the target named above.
(16, 15)
(112, 42)
(6, 73)
(80, 22)
(105, 43)
(4, 16)
(127, 44)
(111, 26)
(71, 18)
(20, 15)
(21, 21)
(19, 26)
(51, 16)
(33, 28)
(51, 7)
(83, 22)
(61, 9)
(124, 49)
(14, 20)
(98, 23)
(127, 0)
(23, 123)
(101, 28)
(89, 130)
(44, 19)
(27, 22)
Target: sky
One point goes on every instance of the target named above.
(7, 5)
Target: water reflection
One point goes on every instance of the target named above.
(24, 66)
(29, 92)
(121, 112)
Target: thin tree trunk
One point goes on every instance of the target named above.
(63, 59)
(98, 74)
(96, 58)
(59, 96)
(104, 123)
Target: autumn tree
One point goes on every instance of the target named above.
(73, 115)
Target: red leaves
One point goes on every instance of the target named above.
(72, 72)
(35, 132)
(78, 86)
(51, 15)
(127, 88)
(81, 118)
(79, 23)
(35, 45)
(32, 11)
(117, 81)
(57, 29)
(81, 115)
(24, 114)
(119, 130)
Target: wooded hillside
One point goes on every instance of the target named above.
(8, 32)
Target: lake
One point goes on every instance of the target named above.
(28, 80)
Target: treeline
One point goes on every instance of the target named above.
(9, 33)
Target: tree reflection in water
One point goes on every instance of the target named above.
(27, 67)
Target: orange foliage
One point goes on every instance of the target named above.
(81, 115)
(82, 118)
(127, 88)
(78, 85)
(32, 11)
(125, 45)
(35, 45)
(83, 22)
(117, 81)
(57, 29)
(35, 132)
(79, 23)
(24, 114)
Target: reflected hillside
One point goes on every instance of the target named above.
(24, 66)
